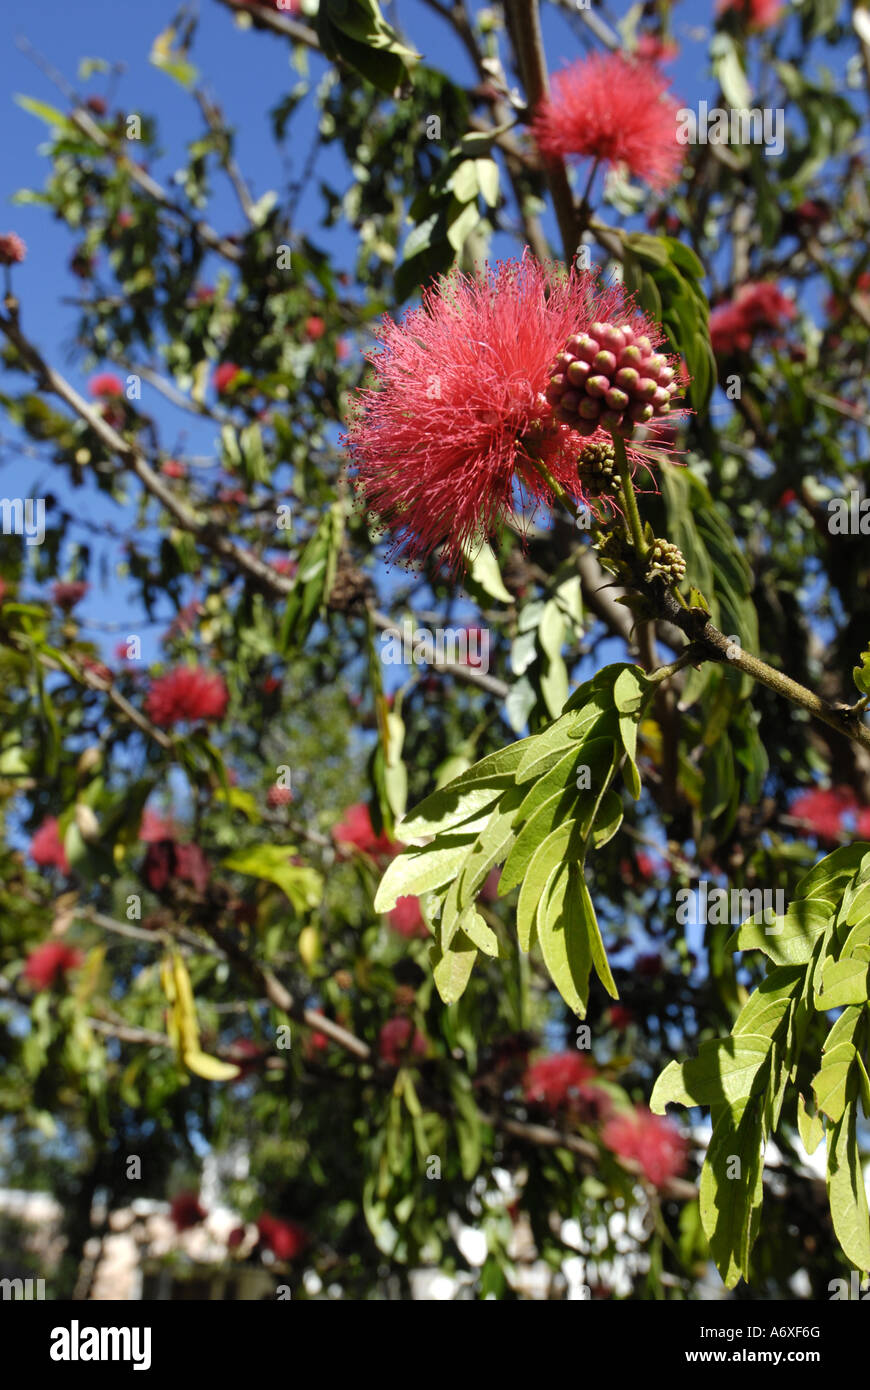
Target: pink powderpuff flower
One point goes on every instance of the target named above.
(186, 1211)
(153, 828)
(615, 110)
(49, 963)
(357, 831)
(171, 468)
(187, 692)
(756, 307)
(407, 919)
(862, 824)
(279, 796)
(167, 862)
(12, 249)
(485, 379)
(399, 1041)
(823, 810)
(105, 384)
(653, 1141)
(652, 48)
(98, 669)
(755, 14)
(46, 847)
(286, 1239)
(67, 594)
(619, 1017)
(566, 1081)
(224, 376)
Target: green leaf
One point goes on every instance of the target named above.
(731, 1192)
(50, 114)
(484, 574)
(831, 1082)
(422, 870)
(559, 809)
(173, 62)
(861, 674)
(790, 938)
(302, 885)
(830, 877)
(545, 859)
(563, 937)
(452, 968)
(847, 1194)
(450, 806)
(725, 1069)
(810, 1126)
(356, 31)
(487, 178)
(468, 1124)
(596, 944)
(843, 982)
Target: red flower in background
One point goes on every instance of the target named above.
(187, 692)
(49, 962)
(173, 469)
(823, 810)
(653, 1141)
(66, 594)
(756, 307)
(153, 827)
(399, 1041)
(286, 1239)
(279, 796)
(105, 384)
(565, 1081)
(167, 862)
(98, 668)
(835, 305)
(407, 919)
(46, 847)
(224, 376)
(651, 48)
(246, 1055)
(609, 108)
(619, 1017)
(461, 411)
(315, 328)
(756, 14)
(186, 1211)
(12, 249)
(357, 831)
